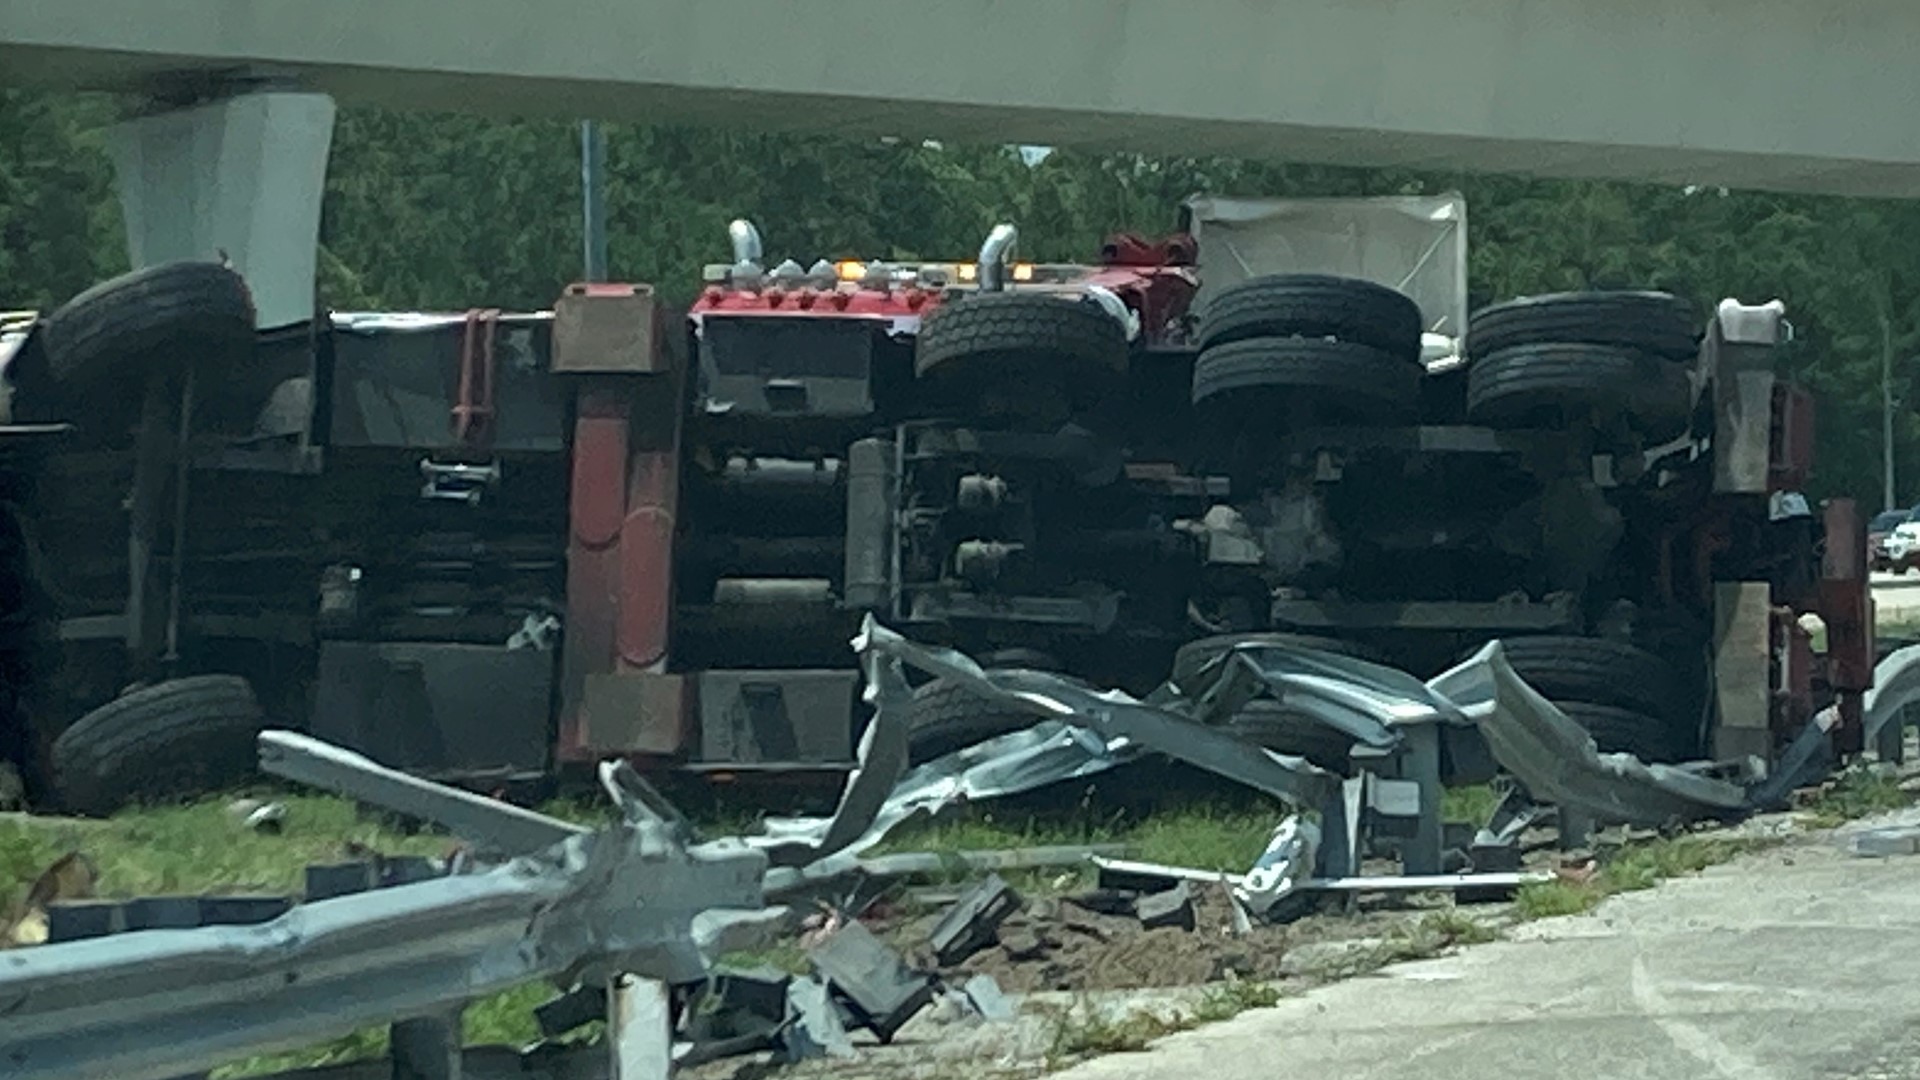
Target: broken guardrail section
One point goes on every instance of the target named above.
(633, 899)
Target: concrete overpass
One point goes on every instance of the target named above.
(1778, 94)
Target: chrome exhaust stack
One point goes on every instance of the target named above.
(996, 255)
(746, 242)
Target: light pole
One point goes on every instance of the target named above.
(1886, 412)
(593, 211)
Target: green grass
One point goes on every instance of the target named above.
(1856, 793)
(1547, 899)
(1473, 804)
(201, 848)
(1630, 868)
(1203, 837)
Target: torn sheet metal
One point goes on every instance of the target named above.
(1047, 753)
(1555, 759)
(1896, 685)
(1117, 717)
(1364, 700)
(872, 786)
(487, 823)
(1076, 733)
(1288, 860)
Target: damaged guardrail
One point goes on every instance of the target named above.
(631, 899)
(619, 917)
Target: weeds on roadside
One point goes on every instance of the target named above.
(1631, 868)
(1548, 899)
(1084, 1030)
(1856, 793)
(1226, 1000)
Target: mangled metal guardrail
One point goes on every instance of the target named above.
(1889, 703)
(1554, 758)
(633, 898)
(1397, 725)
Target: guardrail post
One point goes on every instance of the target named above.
(640, 1033)
(427, 1048)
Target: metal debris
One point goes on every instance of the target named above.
(988, 999)
(631, 898)
(1896, 688)
(878, 987)
(1555, 759)
(1289, 858)
(1173, 907)
(972, 922)
(1886, 842)
(813, 1027)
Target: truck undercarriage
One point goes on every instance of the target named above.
(492, 547)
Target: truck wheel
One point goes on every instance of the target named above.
(175, 739)
(1358, 378)
(1598, 671)
(1314, 306)
(946, 717)
(1555, 385)
(1623, 731)
(1007, 331)
(1652, 322)
(101, 341)
(1272, 726)
(1190, 658)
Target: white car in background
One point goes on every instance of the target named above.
(1903, 547)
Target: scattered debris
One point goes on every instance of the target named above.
(261, 817)
(813, 1028)
(1104, 901)
(972, 923)
(1027, 944)
(1174, 907)
(1288, 858)
(879, 989)
(1886, 842)
(988, 999)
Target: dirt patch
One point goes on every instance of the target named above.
(1055, 944)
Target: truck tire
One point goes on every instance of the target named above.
(102, 341)
(1623, 731)
(1011, 330)
(1368, 380)
(175, 739)
(1314, 306)
(1190, 658)
(1272, 726)
(1652, 322)
(1599, 672)
(1552, 385)
(946, 717)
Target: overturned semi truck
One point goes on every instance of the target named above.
(492, 547)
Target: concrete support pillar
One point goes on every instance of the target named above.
(242, 176)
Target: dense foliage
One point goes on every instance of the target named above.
(428, 210)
